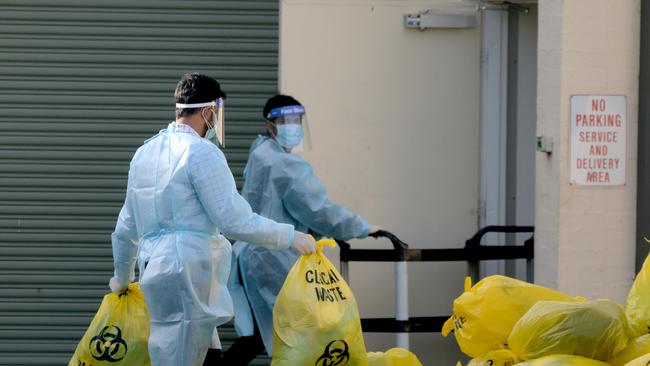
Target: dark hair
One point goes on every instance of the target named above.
(278, 101)
(196, 88)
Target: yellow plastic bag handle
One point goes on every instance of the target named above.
(325, 242)
(468, 283)
(448, 326)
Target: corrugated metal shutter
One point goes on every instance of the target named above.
(82, 84)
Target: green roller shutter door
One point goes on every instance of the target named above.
(82, 85)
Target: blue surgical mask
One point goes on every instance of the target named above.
(211, 133)
(289, 135)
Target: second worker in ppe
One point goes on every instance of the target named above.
(180, 198)
(282, 186)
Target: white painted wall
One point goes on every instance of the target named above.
(585, 238)
(394, 117)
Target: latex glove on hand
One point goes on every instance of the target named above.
(303, 243)
(116, 286)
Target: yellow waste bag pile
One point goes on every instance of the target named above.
(635, 348)
(638, 301)
(484, 315)
(563, 360)
(499, 357)
(641, 361)
(593, 329)
(504, 322)
(393, 357)
(118, 333)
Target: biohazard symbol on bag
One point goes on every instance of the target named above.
(336, 354)
(108, 345)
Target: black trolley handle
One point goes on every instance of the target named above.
(398, 244)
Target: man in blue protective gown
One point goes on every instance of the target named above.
(282, 186)
(180, 198)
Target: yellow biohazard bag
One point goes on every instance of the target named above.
(636, 348)
(393, 357)
(500, 357)
(594, 329)
(315, 317)
(640, 361)
(637, 308)
(484, 314)
(563, 360)
(118, 334)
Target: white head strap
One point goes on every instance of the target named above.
(195, 105)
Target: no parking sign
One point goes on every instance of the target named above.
(598, 140)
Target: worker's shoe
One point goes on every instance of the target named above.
(213, 358)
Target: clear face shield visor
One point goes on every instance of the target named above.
(292, 129)
(215, 131)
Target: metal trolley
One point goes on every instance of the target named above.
(472, 253)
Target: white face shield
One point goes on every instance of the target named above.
(292, 130)
(215, 131)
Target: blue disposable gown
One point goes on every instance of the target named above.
(283, 187)
(180, 196)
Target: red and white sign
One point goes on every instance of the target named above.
(598, 140)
